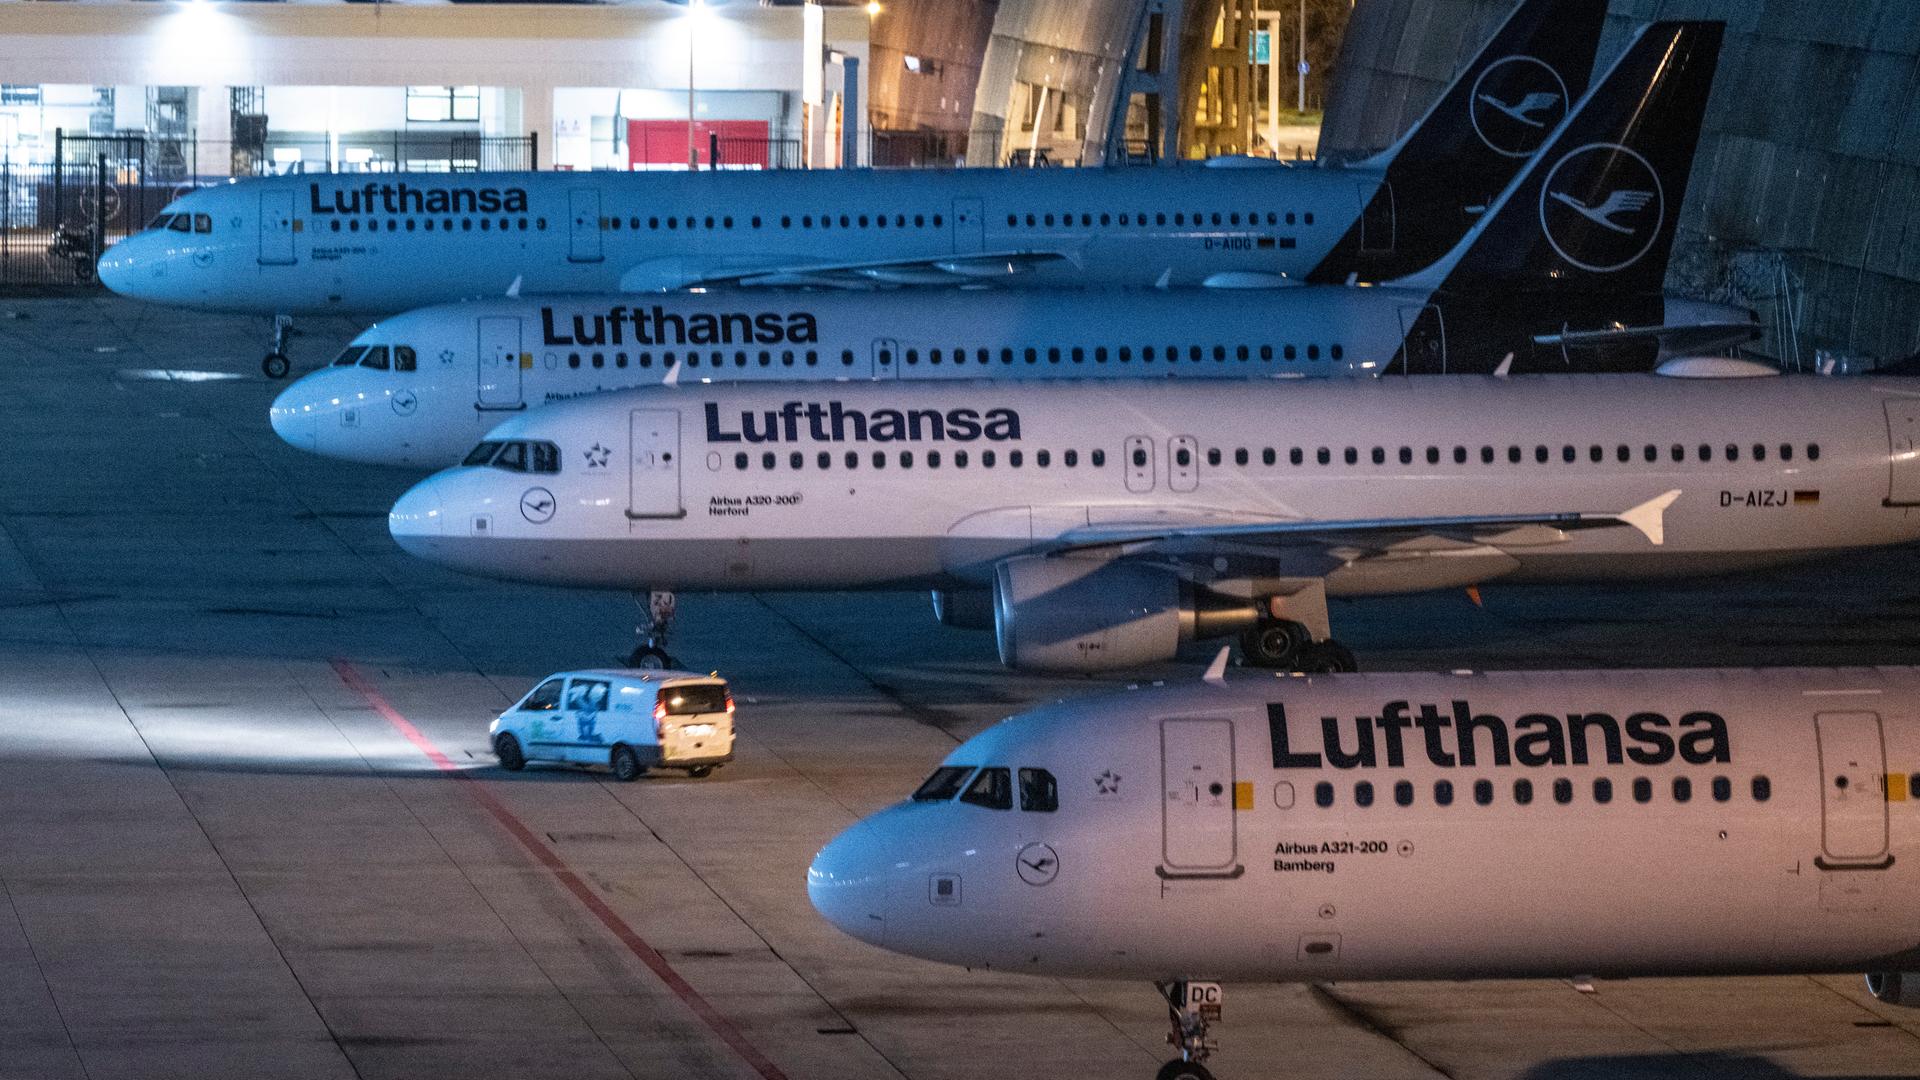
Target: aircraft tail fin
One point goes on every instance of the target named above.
(1451, 164)
(1596, 211)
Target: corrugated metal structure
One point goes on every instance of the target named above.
(1805, 196)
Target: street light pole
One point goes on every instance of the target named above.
(693, 23)
(1302, 69)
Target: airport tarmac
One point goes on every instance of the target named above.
(252, 827)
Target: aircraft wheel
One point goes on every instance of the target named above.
(1184, 1070)
(651, 658)
(507, 749)
(626, 764)
(276, 365)
(1326, 656)
(1274, 644)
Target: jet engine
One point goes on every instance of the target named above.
(1085, 615)
(1895, 987)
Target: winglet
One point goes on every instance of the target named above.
(673, 376)
(1166, 278)
(1650, 517)
(1217, 671)
(1505, 368)
(513, 290)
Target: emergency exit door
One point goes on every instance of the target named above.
(1903, 443)
(1196, 771)
(276, 228)
(583, 230)
(1140, 470)
(1183, 463)
(500, 363)
(969, 226)
(653, 485)
(1853, 796)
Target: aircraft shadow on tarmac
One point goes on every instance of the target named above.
(1676, 1066)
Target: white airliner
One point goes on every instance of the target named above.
(1111, 521)
(1347, 827)
(376, 244)
(419, 389)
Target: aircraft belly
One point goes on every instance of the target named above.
(708, 563)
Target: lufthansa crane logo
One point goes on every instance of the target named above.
(1516, 104)
(538, 505)
(1038, 865)
(1602, 207)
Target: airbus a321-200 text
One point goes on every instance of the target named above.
(1354, 827)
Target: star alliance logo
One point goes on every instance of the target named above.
(597, 456)
(1107, 783)
(1602, 207)
(1516, 103)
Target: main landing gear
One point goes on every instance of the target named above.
(1191, 1007)
(1294, 635)
(276, 365)
(652, 653)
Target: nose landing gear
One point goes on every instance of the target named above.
(1191, 1007)
(652, 653)
(276, 365)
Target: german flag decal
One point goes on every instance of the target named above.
(1806, 498)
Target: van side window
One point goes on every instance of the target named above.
(944, 784)
(587, 695)
(545, 697)
(1038, 791)
(992, 788)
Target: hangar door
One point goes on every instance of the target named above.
(1196, 772)
(276, 228)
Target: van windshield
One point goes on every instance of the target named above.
(694, 698)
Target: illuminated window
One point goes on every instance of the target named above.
(442, 104)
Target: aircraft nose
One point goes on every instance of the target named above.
(295, 418)
(415, 520)
(848, 883)
(115, 268)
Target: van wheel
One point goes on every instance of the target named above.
(700, 772)
(626, 764)
(507, 749)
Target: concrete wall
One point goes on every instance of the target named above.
(1805, 195)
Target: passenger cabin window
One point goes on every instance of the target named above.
(1039, 792)
(545, 697)
(944, 784)
(992, 788)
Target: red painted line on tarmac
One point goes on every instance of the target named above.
(545, 855)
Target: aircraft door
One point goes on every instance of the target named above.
(886, 358)
(969, 226)
(1903, 439)
(501, 363)
(1423, 341)
(1377, 220)
(1183, 463)
(584, 232)
(1196, 772)
(276, 228)
(653, 486)
(1139, 451)
(1853, 794)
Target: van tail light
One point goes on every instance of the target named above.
(729, 704)
(659, 719)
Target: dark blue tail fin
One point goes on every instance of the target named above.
(1469, 146)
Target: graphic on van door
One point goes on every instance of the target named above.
(586, 700)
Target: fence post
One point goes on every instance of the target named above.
(533, 152)
(59, 167)
(100, 207)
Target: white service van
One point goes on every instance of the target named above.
(629, 720)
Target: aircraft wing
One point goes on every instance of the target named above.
(1687, 338)
(980, 267)
(1314, 546)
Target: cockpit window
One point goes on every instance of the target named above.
(403, 358)
(482, 454)
(1039, 792)
(181, 223)
(513, 457)
(546, 457)
(349, 356)
(992, 788)
(944, 784)
(202, 223)
(376, 358)
(516, 456)
(160, 222)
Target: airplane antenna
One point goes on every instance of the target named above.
(1217, 671)
(513, 290)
